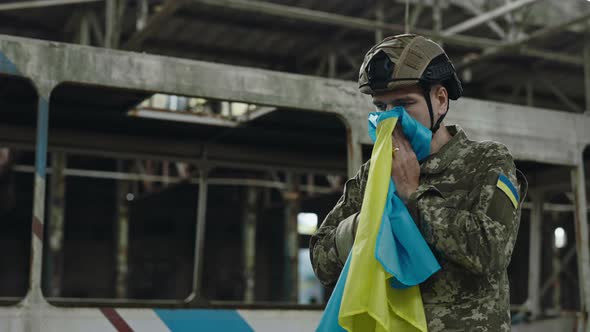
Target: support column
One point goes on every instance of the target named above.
(557, 267)
(582, 247)
(114, 10)
(310, 184)
(199, 235)
(587, 68)
(122, 231)
(291, 196)
(529, 92)
(535, 254)
(110, 17)
(34, 302)
(249, 240)
(437, 19)
(84, 30)
(39, 199)
(354, 149)
(332, 65)
(56, 223)
(142, 14)
(380, 18)
(166, 173)
(96, 28)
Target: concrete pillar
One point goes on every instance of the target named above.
(34, 302)
(56, 223)
(332, 65)
(199, 235)
(581, 226)
(249, 241)
(84, 32)
(354, 150)
(310, 184)
(535, 242)
(291, 196)
(587, 68)
(529, 92)
(556, 266)
(39, 197)
(122, 231)
(581, 215)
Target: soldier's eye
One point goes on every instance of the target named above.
(403, 103)
(381, 107)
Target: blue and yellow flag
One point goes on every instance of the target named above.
(377, 289)
(508, 188)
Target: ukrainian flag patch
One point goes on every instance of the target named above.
(508, 188)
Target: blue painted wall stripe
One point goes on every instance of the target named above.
(6, 66)
(42, 132)
(203, 320)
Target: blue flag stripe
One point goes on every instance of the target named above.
(510, 186)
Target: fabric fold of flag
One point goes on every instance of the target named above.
(377, 289)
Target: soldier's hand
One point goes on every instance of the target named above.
(405, 169)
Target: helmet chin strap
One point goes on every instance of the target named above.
(433, 127)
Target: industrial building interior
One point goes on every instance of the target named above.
(173, 178)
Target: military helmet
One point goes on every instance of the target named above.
(405, 60)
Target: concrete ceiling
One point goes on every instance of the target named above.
(523, 52)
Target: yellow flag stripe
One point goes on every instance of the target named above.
(369, 303)
(502, 186)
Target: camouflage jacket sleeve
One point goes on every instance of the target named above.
(478, 231)
(337, 231)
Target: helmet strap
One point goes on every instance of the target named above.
(437, 125)
(426, 90)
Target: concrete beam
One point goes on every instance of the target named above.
(531, 133)
(192, 151)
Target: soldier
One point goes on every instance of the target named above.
(463, 197)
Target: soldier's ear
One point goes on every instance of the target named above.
(440, 98)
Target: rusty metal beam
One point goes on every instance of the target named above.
(485, 17)
(20, 5)
(492, 53)
(153, 24)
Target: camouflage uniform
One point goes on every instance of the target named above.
(469, 223)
